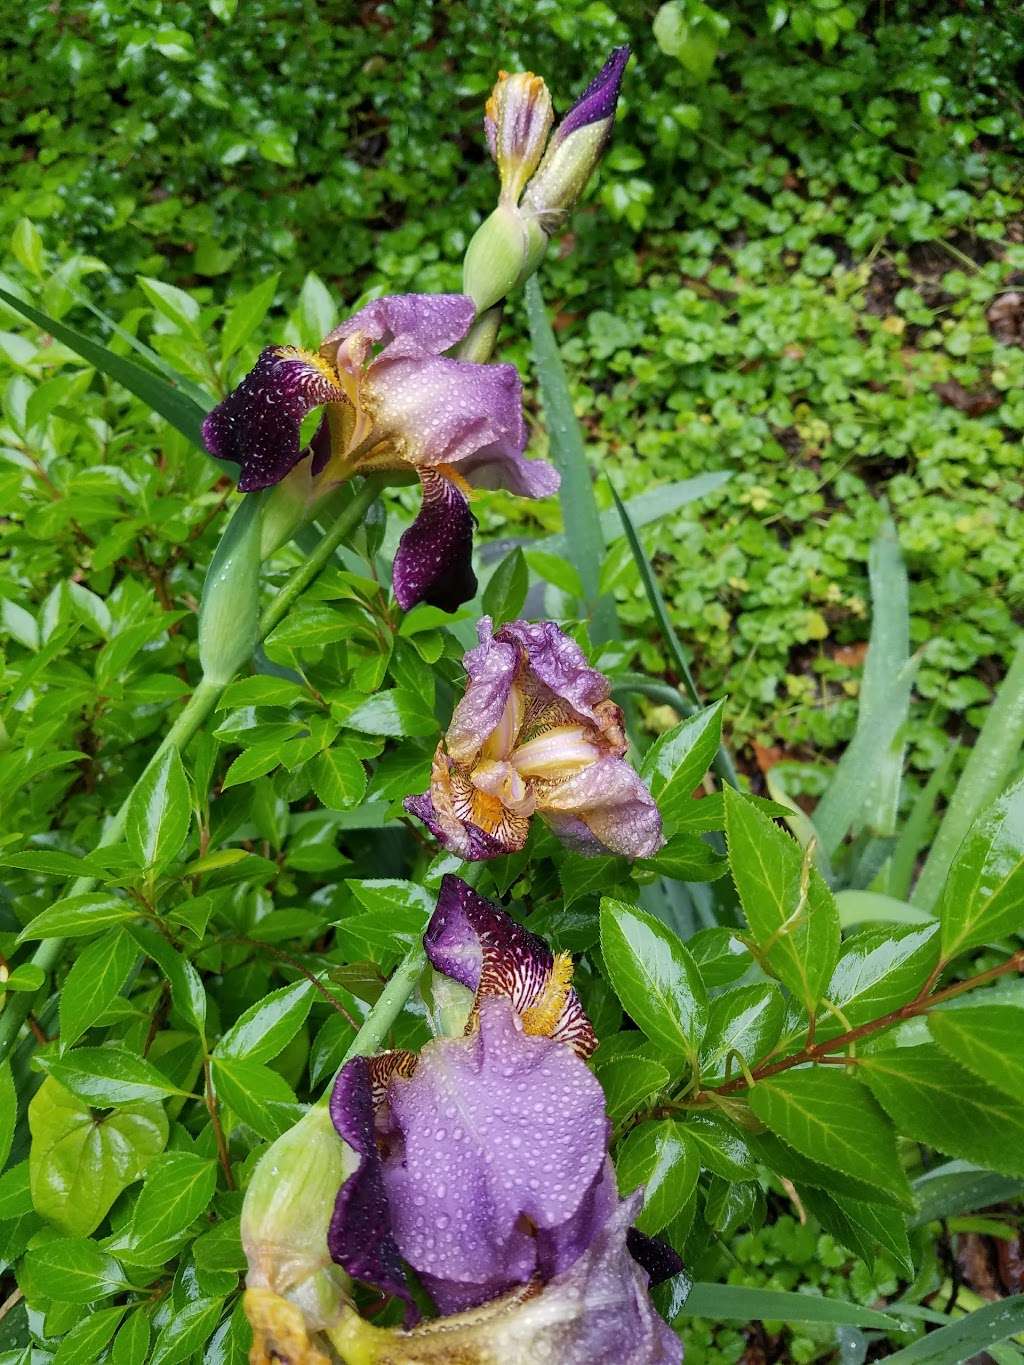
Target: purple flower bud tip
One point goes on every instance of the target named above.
(600, 97)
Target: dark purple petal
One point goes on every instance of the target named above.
(560, 665)
(604, 809)
(469, 843)
(434, 559)
(503, 1137)
(660, 1260)
(257, 425)
(599, 99)
(409, 324)
(360, 1238)
(476, 943)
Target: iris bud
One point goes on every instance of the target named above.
(285, 1218)
(505, 250)
(229, 611)
(517, 120)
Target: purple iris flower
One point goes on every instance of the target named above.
(484, 1166)
(393, 400)
(535, 732)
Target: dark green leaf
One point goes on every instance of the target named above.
(678, 760)
(506, 591)
(984, 895)
(723, 1149)
(94, 983)
(84, 1344)
(268, 1026)
(986, 1039)
(159, 812)
(737, 1303)
(830, 1117)
(186, 984)
(178, 1189)
(934, 1100)
(338, 777)
(661, 1157)
(107, 1075)
(189, 1328)
(395, 713)
(878, 971)
(654, 976)
(747, 1021)
(720, 956)
(72, 1270)
(863, 1228)
(791, 912)
(630, 1082)
(967, 1338)
(260, 1097)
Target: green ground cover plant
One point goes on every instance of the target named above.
(779, 385)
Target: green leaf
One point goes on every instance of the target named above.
(178, 1189)
(878, 971)
(736, 1303)
(986, 1039)
(84, 1344)
(720, 956)
(723, 1148)
(338, 777)
(630, 1082)
(784, 1161)
(865, 788)
(990, 765)
(863, 907)
(791, 912)
(728, 1205)
(395, 713)
(72, 1270)
(984, 895)
(246, 315)
(654, 976)
(934, 1100)
(131, 1345)
(747, 1020)
(576, 493)
(260, 1097)
(831, 1118)
(79, 1163)
(107, 1075)
(862, 1228)
(183, 413)
(685, 858)
(27, 247)
(186, 1331)
(8, 1111)
(80, 917)
(159, 812)
(661, 1157)
(678, 760)
(94, 983)
(267, 1027)
(967, 1338)
(506, 590)
(186, 984)
(960, 1187)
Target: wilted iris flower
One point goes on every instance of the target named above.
(484, 1166)
(535, 733)
(393, 400)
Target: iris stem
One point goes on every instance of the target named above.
(385, 1011)
(193, 714)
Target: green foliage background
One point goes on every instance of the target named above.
(781, 262)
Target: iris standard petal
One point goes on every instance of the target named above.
(559, 663)
(434, 559)
(408, 324)
(257, 425)
(604, 808)
(476, 943)
(598, 101)
(490, 670)
(503, 1136)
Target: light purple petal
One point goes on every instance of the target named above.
(613, 805)
(257, 425)
(409, 324)
(434, 562)
(497, 1129)
(360, 1237)
(501, 465)
(599, 99)
(560, 665)
(476, 943)
(490, 669)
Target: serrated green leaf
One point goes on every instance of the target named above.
(747, 1021)
(94, 983)
(878, 971)
(72, 1270)
(661, 1157)
(862, 1228)
(267, 1027)
(678, 760)
(791, 912)
(395, 712)
(630, 1082)
(107, 1075)
(934, 1100)
(178, 1189)
(831, 1118)
(84, 1344)
(986, 1039)
(186, 984)
(984, 895)
(260, 1097)
(720, 956)
(338, 777)
(80, 916)
(722, 1148)
(186, 1331)
(654, 976)
(159, 812)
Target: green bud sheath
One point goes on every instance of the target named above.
(229, 611)
(505, 250)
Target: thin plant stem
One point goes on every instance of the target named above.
(191, 717)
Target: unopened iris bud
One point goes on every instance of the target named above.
(505, 250)
(576, 147)
(517, 120)
(294, 1289)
